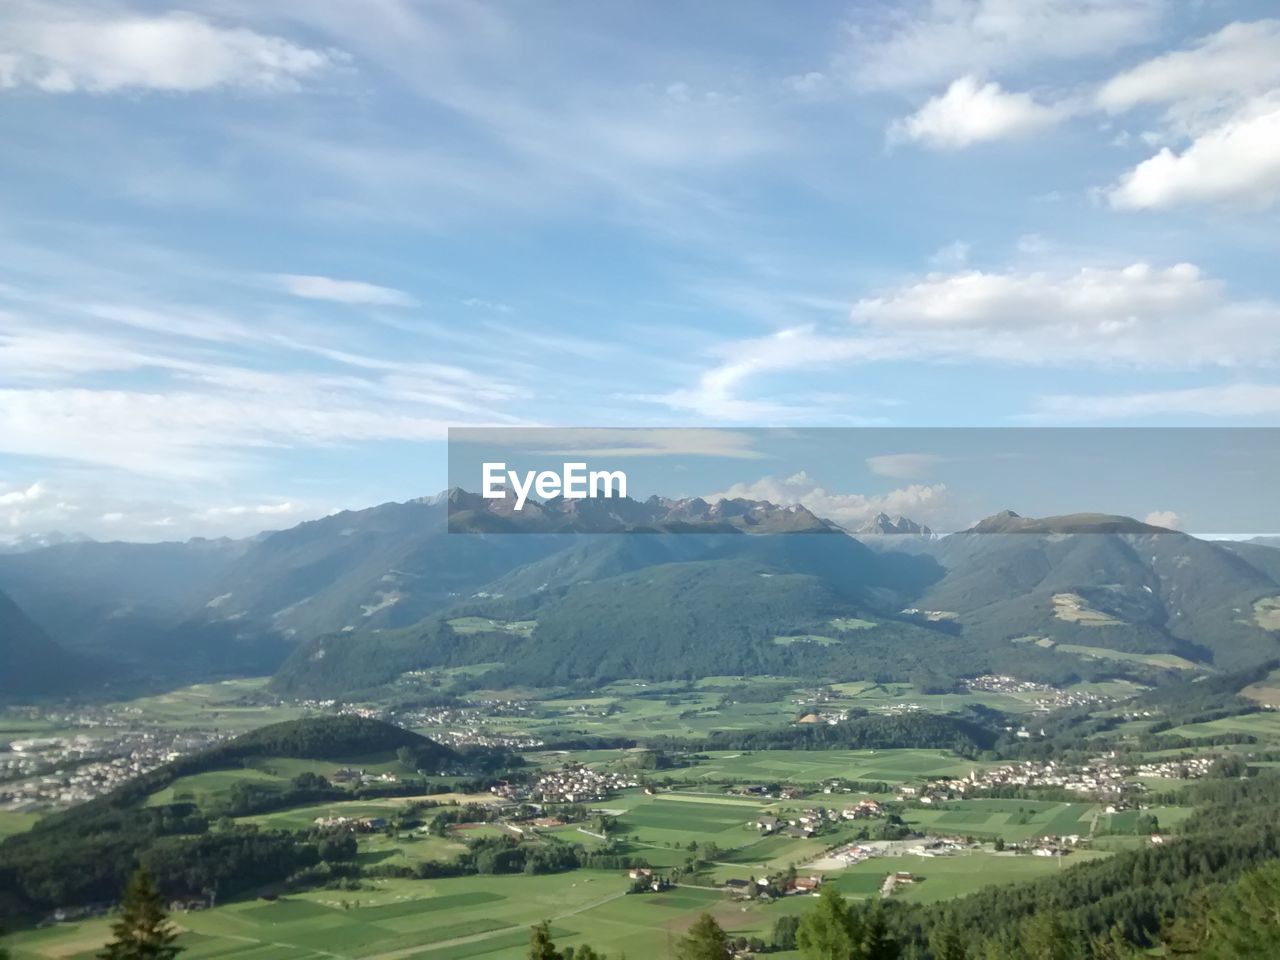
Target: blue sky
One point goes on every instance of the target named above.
(255, 259)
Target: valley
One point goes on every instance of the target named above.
(367, 737)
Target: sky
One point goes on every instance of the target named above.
(257, 258)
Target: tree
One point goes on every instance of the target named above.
(877, 944)
(540, 945)
(784, 932)
(1047, 936)
(143, 931)
(704, 941)
(338, 847)
(830, 931)
(947, 943)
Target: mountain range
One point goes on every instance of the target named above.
(569, 591)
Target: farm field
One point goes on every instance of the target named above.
(449, 919)
(1013, 820)
(214, 706)
(800, 766)
(941, 878)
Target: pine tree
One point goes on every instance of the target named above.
(540, 945)
(704, 941)
(143, 931)
(830, 931)
(877, 943)
(947, 943)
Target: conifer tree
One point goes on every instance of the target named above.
(830, 931)
(704, 941)
(540, 945)
(143, 931)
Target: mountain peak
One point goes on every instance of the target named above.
(1006, 521)
(882, 524)
(470, 513)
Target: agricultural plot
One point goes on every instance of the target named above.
(806, 638)
(679, 821)
(799, 766)
(227, 706)
(941, 878)
(472, 625)
(1013, 820)
(469, 916)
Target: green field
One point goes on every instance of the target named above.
(941, 878)
(814, 766)
(439, 920)
(1013, 820)
(470, 625)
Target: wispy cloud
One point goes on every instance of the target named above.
(343, 291)
(62, 49)
(928, 41)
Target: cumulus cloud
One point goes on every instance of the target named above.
(67, 51)
(24, 496)
(1238, 163)
(1164, 518)
(928, 504)
(927, 42)
(973, 112)
(1220, 127)
(355, 292)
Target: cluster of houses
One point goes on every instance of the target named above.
(572, 783)
(1002, 683)
(354, 824)
(808, 823)
(56, 772)
(351, 775)
(1104, 778)
(769, 886)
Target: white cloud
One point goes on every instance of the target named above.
(1164, 518)
(1135, 317)
(903, 466)
(24, 496)
(925, 504)
(1237, 163)
(1239, 59)
(973, 112)
(65, 51)
(1227, 400)
(343, 291)
(1219, 135)
(933, 41)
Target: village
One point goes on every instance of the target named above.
(1103, 778)
(57, 772)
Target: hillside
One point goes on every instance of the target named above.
(660, 607)
(1034, 597)
(121, 600)
(1143, 590)
(33, 663)
(84, 854)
